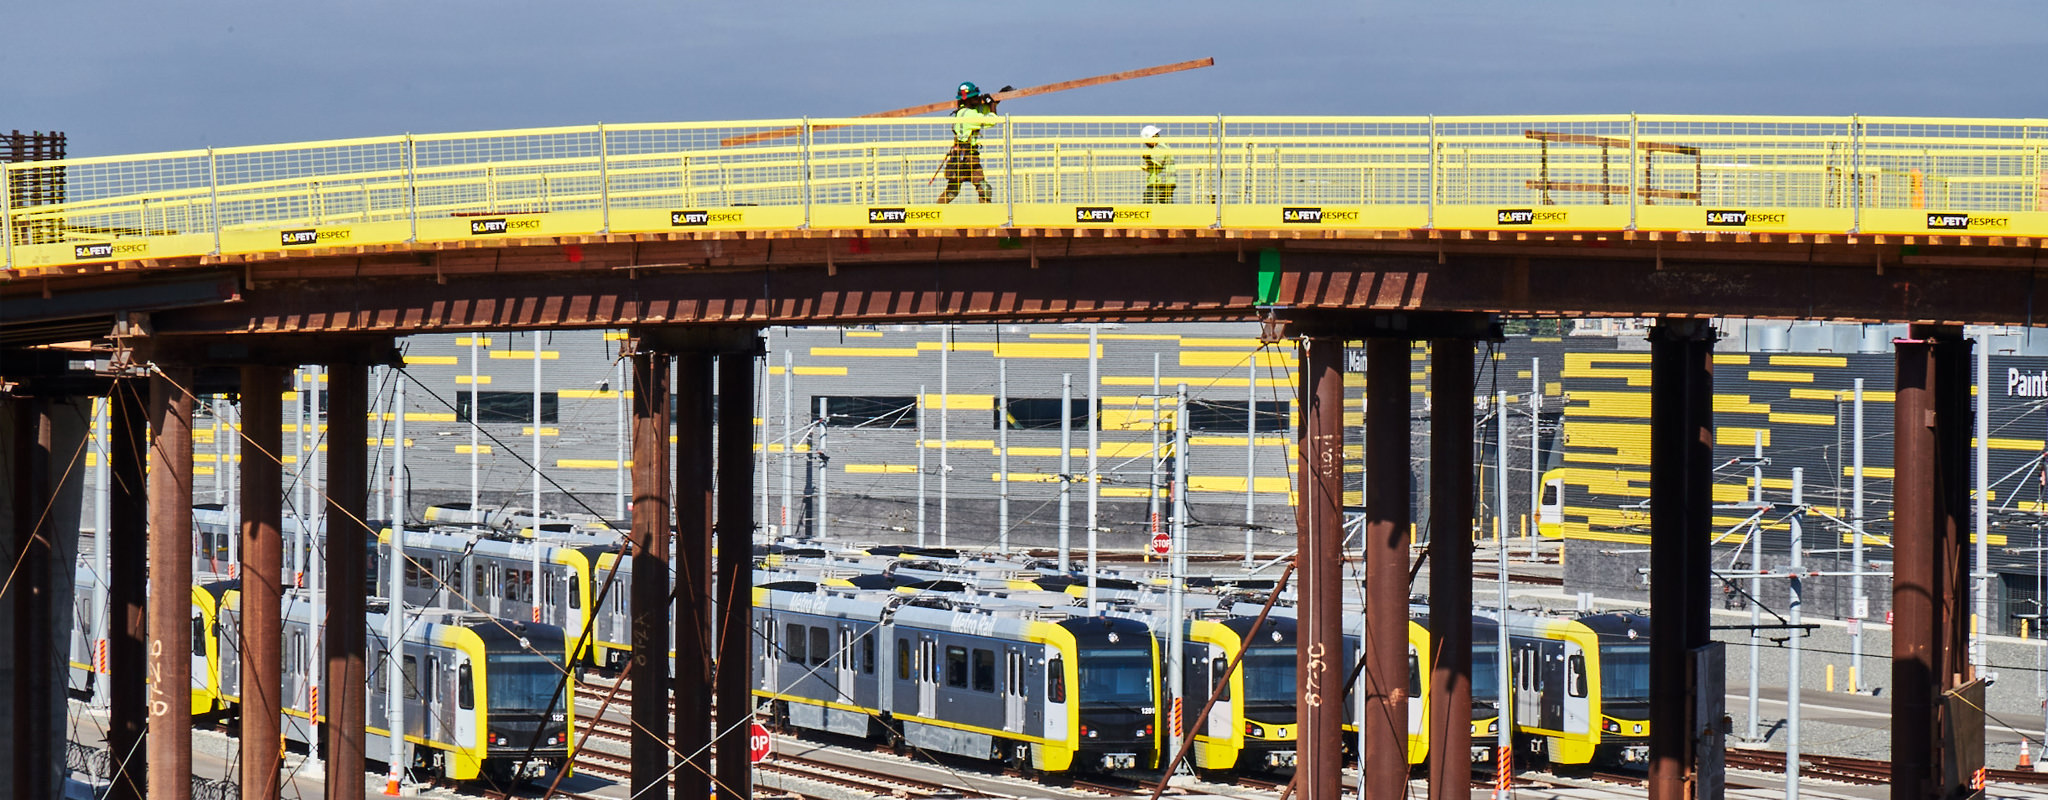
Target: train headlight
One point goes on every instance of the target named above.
(1493, 727)
(1145, 731)
(1253, 730)
(1610, 726)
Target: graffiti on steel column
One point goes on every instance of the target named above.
(158, 705)
(1314, 696)
(1327, 449)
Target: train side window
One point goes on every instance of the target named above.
(821, 646)
(427, 680)
(410, 675)
(465, 687)
(1056, 680)
(1575, 675)
(198, 636)
(867, 654)
(984, 670)
(793, 643)
(902, 659)
(846, 649)
(956, 666)
(1414, 675)
(575, 595)
(479, 581)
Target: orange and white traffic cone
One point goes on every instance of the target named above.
(2026, 758)
(391, 783)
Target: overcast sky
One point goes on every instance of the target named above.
(128, 76)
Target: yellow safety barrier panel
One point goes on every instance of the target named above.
(1598, 173)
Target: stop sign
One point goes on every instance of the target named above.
(1161, 543)
(758, 744)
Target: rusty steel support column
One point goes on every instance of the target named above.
(1930, 598)
(650, 597)
(1450, 569)
(126, 540)
(1681, 477)
(1320, 518)
(170, 580)
(261, 632)
(694, 597)
(735, 569)
(1385, 538)
(29, 600)
(348, 541)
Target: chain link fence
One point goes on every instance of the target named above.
(98, 764)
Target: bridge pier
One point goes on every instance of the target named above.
(347, 561)
(735, 533)
(260, 633)
(694, 593)
(650, 600)
(1937, 702)
(1385, 544)
(1681, 514)
(170, 578)
(127, 543)
(1450, 569)
(1319, 751)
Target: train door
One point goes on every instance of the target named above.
(1418, 700)
(494, 589)
(199, 671)
(1550, 682)
(927, 677)
(1528, 700)
(465, 703)
(1221, 724)
(1013, 689)
(1577, 706)
(771, 650)
(549, 595)
(847, 672)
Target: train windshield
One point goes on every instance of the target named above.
(1485, 673)
(523, 682)
(1120, 677)
(1269, 675)
(1625, 672)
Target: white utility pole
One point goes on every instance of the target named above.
(1094, 478)
(394, 620)
(1535, 455)
(1798, 635)
(945, 433)
(1756, 580)
(1251, 454)
(619, 437)
(298, 575)
(316, 555)
(1157, 421)
(234, 504)
(761, 413)
(533, 588)
(102, 474)
(1002, 456)
(1066, 471)
(922, 473)
(1859, 606)
(476, 408)
(823, 526)
(1982, 572)
(1503, 741)
(1177, 572)
(788, 437)
(1500, 469)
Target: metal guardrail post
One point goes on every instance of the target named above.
(7, 213)
(1009, 174)
(1855, 174)
(412, 191)
(1634, 192)
(1430, 215)
(212, 197)
(1218, 149)
(809, 198)
(604, 178)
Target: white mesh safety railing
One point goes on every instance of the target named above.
(1609, 172)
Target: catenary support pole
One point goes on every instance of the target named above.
(823, 525)
(1756, 587)
(945, 432)
(695, 597)
(1859, 603)
(1177, 578)
(650, 573)
(923, 473)
(395, 617)
(125, 539)
(348, 542)
(788, 439)
(735, 576)
(476, 410)
(1535, 456)
(1158, 456)
(1251, 455)
(1066, 472)
(262, 477)
(1386, 539)
(1450, 572)
(532, 588)
(1094, 450)
(1681, 474)
(1980, 568)
(1320, 518)
(1002, 456)
(1796, 595)
(170, 569)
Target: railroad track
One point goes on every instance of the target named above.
(865, 780)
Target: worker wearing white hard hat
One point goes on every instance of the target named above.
(1160, 181)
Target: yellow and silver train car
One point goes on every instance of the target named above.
(88, 657)
(484, 697)
(457, 569)
(1039, 689)
(1581, 687)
